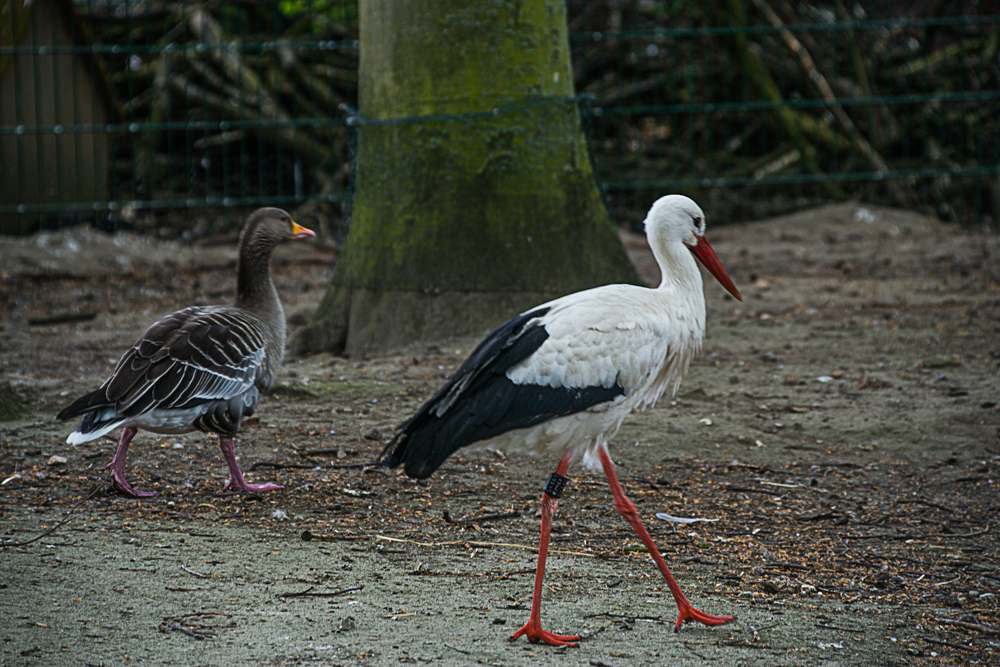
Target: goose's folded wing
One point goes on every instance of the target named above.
(190, 357)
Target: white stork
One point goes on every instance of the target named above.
(562, 377)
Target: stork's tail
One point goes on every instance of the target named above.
(391, 460)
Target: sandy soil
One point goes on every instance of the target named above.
(840, 431)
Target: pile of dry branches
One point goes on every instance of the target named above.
(231, 101)
(796, 90)
(754, 107)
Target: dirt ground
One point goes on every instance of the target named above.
(838, 437)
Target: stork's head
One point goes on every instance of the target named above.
(677, 219)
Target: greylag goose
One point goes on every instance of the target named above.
(202, 368)
(561, 378)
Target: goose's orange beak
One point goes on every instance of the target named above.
(300, 232)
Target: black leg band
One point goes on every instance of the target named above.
(554, 487)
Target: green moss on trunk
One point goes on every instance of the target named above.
(11, 407)
(475, 196)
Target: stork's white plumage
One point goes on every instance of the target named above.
(562, 377)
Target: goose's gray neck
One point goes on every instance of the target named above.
(255, 292)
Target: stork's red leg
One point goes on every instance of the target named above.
(236, 480)
(117, 465)
(627, 510)
(533, 628)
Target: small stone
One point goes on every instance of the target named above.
(837, 374)
(762, 285)
(791, 379)
(55, 460)
(696, 395)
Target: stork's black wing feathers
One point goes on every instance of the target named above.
(480, 402)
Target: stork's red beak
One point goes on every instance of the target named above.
(300, 232)
(703, 251)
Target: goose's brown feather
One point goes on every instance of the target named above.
(202, 367)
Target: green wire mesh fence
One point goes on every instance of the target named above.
(762, 106)
(175, 118)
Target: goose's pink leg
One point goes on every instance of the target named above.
(236, 481)
(533, 628)
(117, 466)
(627, 510)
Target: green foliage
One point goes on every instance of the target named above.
(333, 11)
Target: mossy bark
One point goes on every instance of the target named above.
(475, 196)
(11, 407)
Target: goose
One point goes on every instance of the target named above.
(202, 368)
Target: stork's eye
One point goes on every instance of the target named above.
(697, 221)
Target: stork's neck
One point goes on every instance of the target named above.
(678, 268)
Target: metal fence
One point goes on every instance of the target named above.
(178, 118)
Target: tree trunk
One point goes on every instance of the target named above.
(474, 193)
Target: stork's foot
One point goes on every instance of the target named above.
(535, 634)
(247, 487)
(689, 613)
(121, 484)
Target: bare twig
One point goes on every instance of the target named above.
(941, 642)
(69, 515)
(985, 628)
(322, 451)
(823, 86)
(332, 594)
(191, 633)
(62, 318)
(747, 489)
(481, 544)
(794, 123)
(280, 466)
(924, 501)
(483, 517)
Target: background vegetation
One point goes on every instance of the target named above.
(753, 107)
